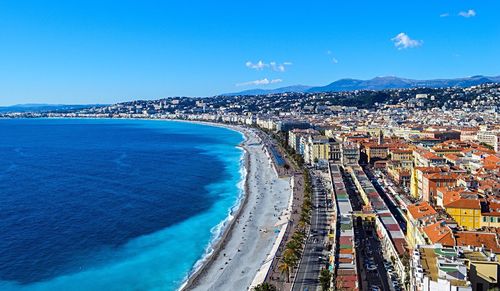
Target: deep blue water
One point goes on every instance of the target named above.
(111, 204)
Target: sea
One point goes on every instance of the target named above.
(112, 204)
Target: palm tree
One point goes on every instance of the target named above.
(307, 203)
(291, 256)
(294, 245)
(305, 217)
(301, 225)
(264, 287)
(284, 268)
(298, 236)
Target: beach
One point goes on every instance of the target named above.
(249, 238)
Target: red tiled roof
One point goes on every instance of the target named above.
(419, 210)
(439, 232)
(464, 204)
(478, 239)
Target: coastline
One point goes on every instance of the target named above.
(260, 182)
(241, 256)
(227, 212)
(208, 259)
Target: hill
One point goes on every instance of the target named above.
(378, 83)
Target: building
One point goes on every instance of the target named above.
(468, 134)
(491, 216)
(417, 176)
(335, 151)
(402, 155)
(490, 138)
(438, 233)
(375, 151)
(287, 125)
(432, 181)
(436, 268)
(317, 149)
(466, 212)
(295, 135)
(417, 216)
(424, 158)
(349, 153)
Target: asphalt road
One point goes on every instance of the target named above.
(370, 247)
(307, 278)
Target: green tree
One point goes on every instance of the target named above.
(324, 279)
(284, 268)
(291, 255)
(265, 287)
(299, 236)
(295, 246)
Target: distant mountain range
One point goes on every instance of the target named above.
(378, 83)
(296, 88)
(43, 107)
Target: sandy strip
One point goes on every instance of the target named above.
(248, 241)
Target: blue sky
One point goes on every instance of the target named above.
(110, 51)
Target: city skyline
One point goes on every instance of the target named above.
(107, 52)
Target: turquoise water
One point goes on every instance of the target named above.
(112, 204)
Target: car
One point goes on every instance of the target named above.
(371, 268)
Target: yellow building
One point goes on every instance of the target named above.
(466, 212)
(490, 219)
(416, 180)
(401, 155)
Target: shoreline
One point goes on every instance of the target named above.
(242, 255)
(264, 239)
(217, 245)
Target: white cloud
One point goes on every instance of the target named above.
(467, 14)
(277, 67)
(264, 81)
(403, 41)
(444, 14)
(260, 65)
(335, 61)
